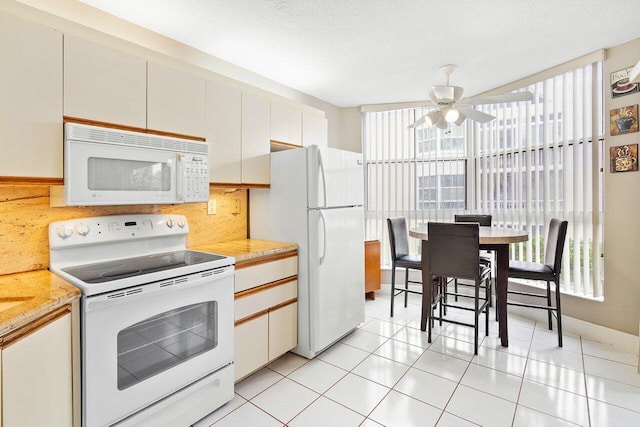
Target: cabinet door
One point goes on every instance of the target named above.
(251, 343)
(30, 99)
(104, 84)
(37, 377)
(224, 130)
(314, 130)
(256, 148)
(286, 123)
(175, 101)
(283, 330)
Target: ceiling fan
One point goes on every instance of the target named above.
(450, 107)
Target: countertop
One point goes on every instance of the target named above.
(25, 297)
(248, 250)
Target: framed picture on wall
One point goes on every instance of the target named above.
(620, 84)
(623, 120)
(624, 158)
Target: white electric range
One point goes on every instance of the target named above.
(156, 319)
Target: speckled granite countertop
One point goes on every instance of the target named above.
(247, 250)
(25, 297)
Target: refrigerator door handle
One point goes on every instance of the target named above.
(324, 182)
(324, 237)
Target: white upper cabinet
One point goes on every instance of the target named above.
(104, 84)
(175, 101)
(286, 123)
(30, 99)
(224, 133)
(256, 147)
(314, 130)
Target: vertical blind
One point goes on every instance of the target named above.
(536, 161)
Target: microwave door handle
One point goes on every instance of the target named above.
(179, 176)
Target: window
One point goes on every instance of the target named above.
(535, 161)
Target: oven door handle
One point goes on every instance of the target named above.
(110, 299)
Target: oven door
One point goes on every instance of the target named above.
(104, 174)
(144, 343)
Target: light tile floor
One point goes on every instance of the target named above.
(386, 373)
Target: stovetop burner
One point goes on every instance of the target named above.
(102, 272)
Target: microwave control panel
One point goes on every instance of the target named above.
(195, 173)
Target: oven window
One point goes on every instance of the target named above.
(166, 340)
(128, 175)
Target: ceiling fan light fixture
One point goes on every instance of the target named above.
(441, 123)
(461, 118)
(451, 115)
(432, 118)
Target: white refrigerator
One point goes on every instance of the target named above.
(316, 200)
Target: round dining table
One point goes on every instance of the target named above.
(491, 238)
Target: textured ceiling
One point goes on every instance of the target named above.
(355, 52)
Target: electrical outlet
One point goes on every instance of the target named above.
(211, 207)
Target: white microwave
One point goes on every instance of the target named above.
(104, 166)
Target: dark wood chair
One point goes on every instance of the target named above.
(400, 258)
(549, 272)
(485, 257)
(454, 252)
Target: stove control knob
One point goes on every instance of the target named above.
(181, 223)
(170, 223)
(82, 229)
(64, 232)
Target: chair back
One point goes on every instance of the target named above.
(555, 244)
(483, 220)
(398, 237)
(454, 250)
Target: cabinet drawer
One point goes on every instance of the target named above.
(251, 343)
(253, 303)
(256, 275)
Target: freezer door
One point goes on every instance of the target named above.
(336, 274)
(336, 178)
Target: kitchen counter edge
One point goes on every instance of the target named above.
(27, 296)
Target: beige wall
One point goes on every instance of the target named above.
(351, 129)
(621, 307)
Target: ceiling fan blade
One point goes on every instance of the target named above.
(417, 123)
(498, 99)
(476, 115)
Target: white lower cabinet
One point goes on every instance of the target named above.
(266, 313)
(251, 345)
(283, 330)
(37, 388)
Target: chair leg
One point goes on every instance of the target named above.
(476, 318)
(441, 283)
(486, 316)
(406, 286)
(455, 289)
(549, 305)
(393, 285)
(558, 312)
(431, 301)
